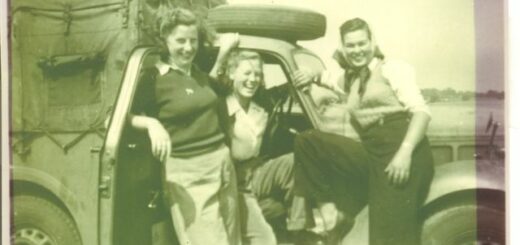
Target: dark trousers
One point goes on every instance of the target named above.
(333, 168)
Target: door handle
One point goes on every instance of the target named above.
(95, 149)
(153, 202)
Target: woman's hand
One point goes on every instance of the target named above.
(303, 78)
(398, 170)
(228, 41)
(160, 139)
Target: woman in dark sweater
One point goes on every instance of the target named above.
(177, 107)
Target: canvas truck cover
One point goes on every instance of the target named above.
(68, 57)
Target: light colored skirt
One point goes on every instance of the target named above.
(202, 193)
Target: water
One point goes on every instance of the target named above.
(465, 117)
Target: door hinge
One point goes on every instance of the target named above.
(104, 186)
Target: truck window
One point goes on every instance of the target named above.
(331, 115)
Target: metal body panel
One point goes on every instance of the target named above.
(70, 177)
(109, 154)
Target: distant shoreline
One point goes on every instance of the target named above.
(433, 95)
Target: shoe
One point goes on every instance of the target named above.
(340, 230)
(305, 237)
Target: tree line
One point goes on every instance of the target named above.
(448, 94)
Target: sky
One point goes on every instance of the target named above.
(436, 37)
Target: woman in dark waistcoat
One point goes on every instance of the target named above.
(390, 166)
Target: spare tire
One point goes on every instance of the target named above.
(282, 22)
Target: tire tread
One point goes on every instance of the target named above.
(27, 208)
(266, 20)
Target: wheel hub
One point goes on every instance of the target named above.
(32, 236)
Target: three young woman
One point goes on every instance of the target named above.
(391, 168)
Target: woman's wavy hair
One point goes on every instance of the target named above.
(167, 18)
(238, 55)
(350, 26)
(233, 61)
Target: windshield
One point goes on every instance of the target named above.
(324, 105)
(309, 61)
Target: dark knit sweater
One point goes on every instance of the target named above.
(185, 105)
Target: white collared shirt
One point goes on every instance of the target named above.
(165, 67)
(247, 130)
(401, 77)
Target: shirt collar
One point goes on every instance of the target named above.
(233, 106)
(164, 68)
(373, 63)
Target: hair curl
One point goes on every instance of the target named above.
(354, 25)
(351, 26)
(168, 18)
(235, 57)
(238, 55)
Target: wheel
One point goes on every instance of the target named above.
(38, 221)
(282, 22)
(466, 224)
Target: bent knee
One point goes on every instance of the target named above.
(304, 139)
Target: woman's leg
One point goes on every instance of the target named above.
(331, 170)
(272, 183)
(228, 200)
(204, 190)
(254, 227)
(394, 217)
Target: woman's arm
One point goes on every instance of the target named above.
(416, 129)
(144, 104)
(402, 79)
(325, 79)
(398, 170)
(159, 137)
(228, 41)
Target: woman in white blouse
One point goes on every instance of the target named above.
(245, 124)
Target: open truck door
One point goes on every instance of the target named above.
(130, 200)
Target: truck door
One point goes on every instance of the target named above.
(129, 187)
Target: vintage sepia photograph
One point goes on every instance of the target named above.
(255, 122)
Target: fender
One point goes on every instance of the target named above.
(465, 175)
(449, 178)
(51, 184)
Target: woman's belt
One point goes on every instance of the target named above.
(382, 120)
(370, 116)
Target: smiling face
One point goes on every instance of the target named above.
(247, 78)
(182, 45)
(357, 47)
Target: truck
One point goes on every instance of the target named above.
(82, 175)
